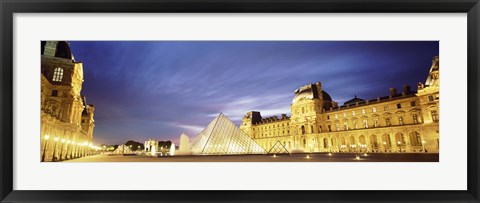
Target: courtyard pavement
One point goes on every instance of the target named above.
(306, 157)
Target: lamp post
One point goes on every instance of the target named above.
(54, 149)
(61, 150)
(385, 146)
(399, 145)
(45, 147)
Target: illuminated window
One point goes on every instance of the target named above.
(434, 115)
(353, 113)
(415, 118)
(355, 124)
(400, 120)
(375, 122)
(336, 116)
(387, 122)
(338, 126)
(58, 75)
(374, 109)
(363, 111)
(345, 126)
(365, 124)
(344, 115)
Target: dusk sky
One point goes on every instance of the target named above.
(159, 89)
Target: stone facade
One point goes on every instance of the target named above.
(406, 121)
(66, 119)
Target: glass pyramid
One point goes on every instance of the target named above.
(221, 136)
(278, 148)
(122, 149)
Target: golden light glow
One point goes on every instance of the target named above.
(329, 154)
(56, 139)
(63, 140)
(47, 137)
(308, 157)
(274, 156)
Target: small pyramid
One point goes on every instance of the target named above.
(222, 136)
(123, 149)
(278, 148)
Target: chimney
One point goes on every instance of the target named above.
(406, 90)
(284, 116)
(393, 92)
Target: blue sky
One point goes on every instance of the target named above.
(159, 89)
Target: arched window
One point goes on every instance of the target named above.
(415, 139)
(58, 75)
(303, 129)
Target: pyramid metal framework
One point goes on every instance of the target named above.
(278, 148)
(221, 136)
(123, 149)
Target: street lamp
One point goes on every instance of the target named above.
(54, 149)
(399, 145)
(61, 149)
(45, 147)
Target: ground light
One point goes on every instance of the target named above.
(357, 157)
(274, 156)
(329, 154)
(308, 156)
(365, 154)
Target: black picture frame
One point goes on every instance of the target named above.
(10, 7)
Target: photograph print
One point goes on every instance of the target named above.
(239, 101)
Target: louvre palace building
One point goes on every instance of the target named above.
(66, 119)
(402, 121)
